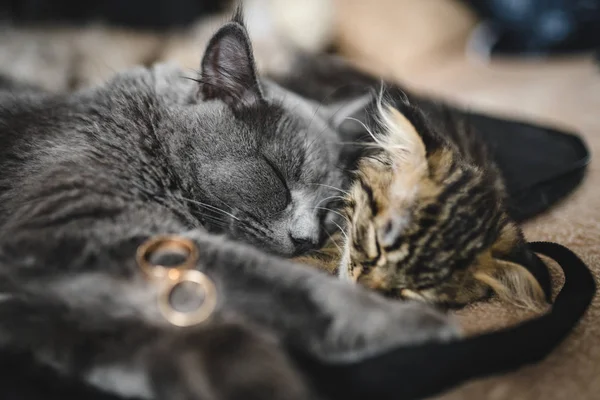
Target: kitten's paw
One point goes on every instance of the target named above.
(224, 361)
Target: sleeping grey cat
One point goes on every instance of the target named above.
(88, 177)
(253, 160)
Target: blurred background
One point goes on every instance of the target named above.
(533, 60)
(79, 43)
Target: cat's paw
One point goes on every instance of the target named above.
(366, 324)
(225, 361)
(418, 322)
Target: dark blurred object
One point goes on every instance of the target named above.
(140, 14)
(518, 27)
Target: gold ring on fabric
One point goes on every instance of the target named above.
(175, 243)
(182, 319)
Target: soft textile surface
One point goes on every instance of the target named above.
(422, 43)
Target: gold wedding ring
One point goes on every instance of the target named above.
(205, 288)
(176, 275)
(166, 243)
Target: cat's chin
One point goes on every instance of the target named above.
(280, 248)
(286, 250)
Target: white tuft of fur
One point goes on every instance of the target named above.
(344, 266)
(400, 139)
(406, 150)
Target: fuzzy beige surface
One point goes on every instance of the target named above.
(422, 44)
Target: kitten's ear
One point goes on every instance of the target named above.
(400, 139)
(406, 151)
(228, 70)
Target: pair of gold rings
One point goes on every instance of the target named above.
(173, 276)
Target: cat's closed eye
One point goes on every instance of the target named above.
(282, 179)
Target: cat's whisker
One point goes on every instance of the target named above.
(333, 211)
(364, 144)
(219, 222)
(333, 241)
(201, 204)
(341, 230)
(331, 187)
(223, 202)
(330, 198)
(215, 220)
(378, 141)
(369, 131)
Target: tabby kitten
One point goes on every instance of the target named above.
(427, 217)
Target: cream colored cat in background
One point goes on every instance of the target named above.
(60, 58)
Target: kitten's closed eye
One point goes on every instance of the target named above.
(391, 230)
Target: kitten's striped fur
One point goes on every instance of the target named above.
(427, 217)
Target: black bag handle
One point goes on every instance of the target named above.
(420, 371)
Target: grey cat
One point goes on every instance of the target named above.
(87, 177)
(219, 132)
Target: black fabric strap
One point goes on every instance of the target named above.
(421, 371)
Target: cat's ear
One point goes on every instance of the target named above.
(228, 69)
(348, 116)
(399, 137)
(405, 150)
